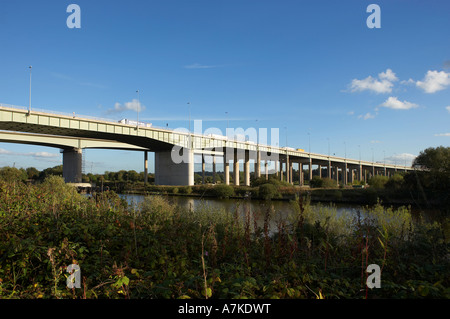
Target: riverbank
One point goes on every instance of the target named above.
(161, 251)
(344, 195)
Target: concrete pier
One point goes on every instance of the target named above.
(169, 173)
(72, 165)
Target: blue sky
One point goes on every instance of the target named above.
(313, 69)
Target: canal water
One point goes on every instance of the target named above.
(255, 210)
(280, 210)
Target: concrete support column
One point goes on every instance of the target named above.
(360, 173)
(258, 165)
(172, 168)
(291, 177)
(226, 165)
(310, 169)
(72, 165)
(281, 170)
(203, 168)
(345, 174)
(226, 171)
(145, 167)
(236, 168)
(266, 169)
(329, 169)
(288, 179)
(247, 169)
(337, 174)
(320, 170)
(300, 177)
(214, 168)
(276, 168)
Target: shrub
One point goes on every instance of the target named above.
(317, 182)
(223, 191)
(395, 182)
(268, 191)
(186, 190)
(378, 181)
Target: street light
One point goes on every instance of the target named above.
(227, 119)
(138, 106)
(29, 103)
(189, 103)
(285, 131)
(345, 150)
(309, 142)
(328, 146)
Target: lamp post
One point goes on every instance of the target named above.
(309, 143)
(227, 121)
(137, 109)
(328, 146)
(285, 132)
(29, 102)
(345, 150)
(189, 103)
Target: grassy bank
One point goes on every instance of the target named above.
(162, 251)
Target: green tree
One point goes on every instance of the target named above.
(378, 181)
(437, 162)
(11, 174)
(32, 173)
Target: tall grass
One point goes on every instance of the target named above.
(159, 250)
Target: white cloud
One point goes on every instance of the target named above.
(375, 142)
(366, 116)
(5, 152)
(134, 105)
(383, 84)
(43, 154)
(434, 81)
(401, 159)
(448, 108)
(396, 104)
(199, 66)
(442, 134)
(409, 81)
(388, 75)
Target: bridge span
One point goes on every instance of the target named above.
(174, 150)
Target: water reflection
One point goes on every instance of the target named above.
(278, 213)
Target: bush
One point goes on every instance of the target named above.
(268, 191)
(378, 181)
(318, 182)
(223, 191)
(395, 182)
(186, 190)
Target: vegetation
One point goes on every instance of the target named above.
(158, 250)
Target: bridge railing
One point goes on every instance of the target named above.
(73, 114)
(281, 150)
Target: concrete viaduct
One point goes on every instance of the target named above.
(174, 151)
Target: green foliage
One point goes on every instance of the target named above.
(223, 191)
(395, 182)
(378, 181)
(268, 191)
(163, 251)
(11, 174)
(318, 182)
